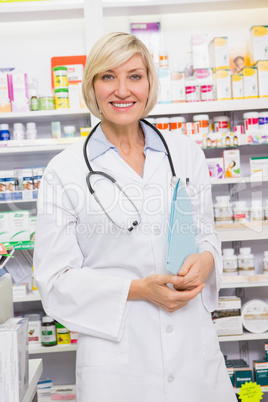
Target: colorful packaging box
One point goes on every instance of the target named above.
(14, 359)
(5, 104)
(219, 54)
(250, 80)
(231, 162)
(200, 51)
(222, 80)
(215, 167)
(237, 86)
(259, 165)
(258, 43)
(260, 371)
(19, 92)
(262, 68)
(227, 316)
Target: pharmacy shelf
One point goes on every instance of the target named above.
(239, 180)
(38, 145)
(243, 231)
(45, 114)
(139, 7)
(36, 350)
(209, 107)
(247, 336)
(45, 10)
(35, 371)
(29, 297)
(244, 281)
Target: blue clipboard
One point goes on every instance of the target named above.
(181, 236)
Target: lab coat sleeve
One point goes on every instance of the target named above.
(206, 237)
(73, 294)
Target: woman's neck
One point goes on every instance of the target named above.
(124, 137)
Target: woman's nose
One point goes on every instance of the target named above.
(122, 89)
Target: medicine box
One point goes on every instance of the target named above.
(250, 82)
(266, 351)
(14, 359)
(231, 161)
(222, 81)
(260, 370)
(258, 43)
(215, 167)
(5, 104)
(177, 86)
(237, 86)
(200, 51)
(4, 227)
(242, 375)
(19, 226)
(164, 76)
(262, 69)
(259, 165)
(19, 92)
(227, 316)
(204, 76)
(218, 51)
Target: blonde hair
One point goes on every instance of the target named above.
(109, 52)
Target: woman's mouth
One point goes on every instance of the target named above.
(122, 105)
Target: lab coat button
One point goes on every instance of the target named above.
(170, 378)
(169, 329)
(156, 231)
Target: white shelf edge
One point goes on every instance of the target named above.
(39, 145)
(243, 281)
(245, 337)
(209, 107)
(27, 298)
(35, 350)
(35, 371)
(242, 232)
(44, 113)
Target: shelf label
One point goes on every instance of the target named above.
(250, 392)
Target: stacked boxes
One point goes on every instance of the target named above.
(227, 316)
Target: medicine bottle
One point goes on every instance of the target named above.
(256, 212)
(229, 261)
(62, 98)
(251, 121)
(18, 131)
(221, 124)
(31, 132)
(60, 77)
(241, 211)
(162, 123)
(48, 331)
(223, 210)
(202, 120)
(265, 262)
(4, 132)
(34, 103)
(176, 124)
(69, 131)
(246, 264)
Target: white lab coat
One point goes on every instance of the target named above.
(128, 351)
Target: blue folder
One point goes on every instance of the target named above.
(181, 236)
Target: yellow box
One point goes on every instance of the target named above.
(258, 43)
(222, 79)
(84, 131)
(262, 68)
(237, 86)
(219, 54)
(250, 79)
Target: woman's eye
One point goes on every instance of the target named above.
(135, 77)
(107, 77)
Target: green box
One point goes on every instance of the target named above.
(241, 376)
(260, 369)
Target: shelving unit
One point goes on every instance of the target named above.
(35, 371)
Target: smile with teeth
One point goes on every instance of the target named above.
(122, 104)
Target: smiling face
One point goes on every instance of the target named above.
(122, 92)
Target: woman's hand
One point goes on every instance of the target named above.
(195, 270)
(154, 288)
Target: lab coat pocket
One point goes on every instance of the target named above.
(210, 343)
(92, 351)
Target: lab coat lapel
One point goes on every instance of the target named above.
(152, 163)
(115, 164)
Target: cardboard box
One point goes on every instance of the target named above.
(200, 51)
(262, 69)
(260, 371)
(250, 82)
(215, 167)
(19, 92)
(4, 227)
(237, 86)
(219, 53)
(259, 165)
(266, 351)
(19, 226)
(14, 359)
(222, 80)
(241, 376)
(258, 43)
(231, 161)
(227, 316)
(177, 87)
(5, 104)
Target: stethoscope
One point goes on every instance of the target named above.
(92, 172)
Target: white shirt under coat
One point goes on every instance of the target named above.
(128, 351)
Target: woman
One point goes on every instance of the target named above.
(144, 334)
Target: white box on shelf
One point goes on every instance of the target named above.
(259, 165)
(258, 43)
(14, 374)
(19, 226)
(227, 316)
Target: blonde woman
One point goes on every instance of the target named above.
(101, 246)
